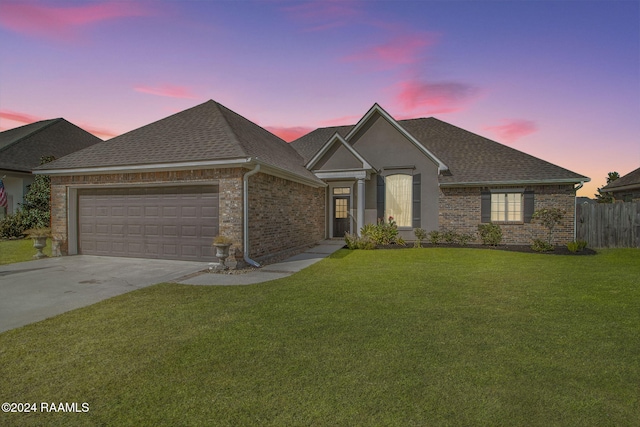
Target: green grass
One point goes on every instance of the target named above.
(398, 337)
(19, 250)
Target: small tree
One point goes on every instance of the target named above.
(549, 218)
(606, 197)
(35, 211)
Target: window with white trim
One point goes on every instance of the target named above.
(398, 198)
(507, 207)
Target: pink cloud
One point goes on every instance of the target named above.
(402, 50)
(434, 97)
(25, 119)
(318, 15)
(19, 117)
(289, 133)
(512, 129)
(341, 121)
(167, 90)
(59, 22)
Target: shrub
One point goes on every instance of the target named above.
(13, 226)
(540, 245)
(577, 246)
(382, 233)
(355, 242)
(490, 234)
(34, 212)
(572, 246)
(420, 234)
(435, 237)
(450, 236)
(549, 218)
(465, 238)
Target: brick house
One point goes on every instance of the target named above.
(166, 189)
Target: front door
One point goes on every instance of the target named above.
(341, 221)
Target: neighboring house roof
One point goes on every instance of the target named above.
(206, 132)
(21, 148)
(627, 182)
(471, 159)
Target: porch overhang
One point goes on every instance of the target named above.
(344, 174)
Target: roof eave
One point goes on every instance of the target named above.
(516, 182)
(622, 188)
(152, 167)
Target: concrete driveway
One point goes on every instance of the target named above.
(35, 290)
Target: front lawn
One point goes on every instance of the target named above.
(20, 250)
(388, 337)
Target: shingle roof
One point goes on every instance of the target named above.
(471, 158)
(632, 178)
(21, 148)
(208, 131)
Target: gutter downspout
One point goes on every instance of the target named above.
(575, 211)
(246, 215)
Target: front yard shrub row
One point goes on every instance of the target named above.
(490, 234)
(383, 233)
(355, 242)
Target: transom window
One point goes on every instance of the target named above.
(398, 198)
(506, 207)
(341, 190)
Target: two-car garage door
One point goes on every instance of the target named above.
(153, 222)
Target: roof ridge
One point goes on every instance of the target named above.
(227, 126)
(52, 122)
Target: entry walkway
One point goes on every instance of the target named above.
(270, 272)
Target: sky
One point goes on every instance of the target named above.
(559, 80)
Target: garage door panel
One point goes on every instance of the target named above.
(164, 222)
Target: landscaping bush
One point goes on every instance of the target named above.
(490, 234)
(576, 246)
(450, 236)
(549, 218)
(540, 245)
(435, 237)
(420, 234)
(34, 212)
(383, 233)
(465, 238)
(355, 242)
(12, 226)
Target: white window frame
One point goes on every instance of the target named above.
(501, 197)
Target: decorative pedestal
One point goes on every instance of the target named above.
(222, 253)
(39, 243)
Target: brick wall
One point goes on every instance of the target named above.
(459, 210)
(283, 215)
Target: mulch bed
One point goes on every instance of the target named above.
(558, 250)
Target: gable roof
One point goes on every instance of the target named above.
(627, 182)
(21, 148)
(337, 139)
(200, 135)
(471, 159)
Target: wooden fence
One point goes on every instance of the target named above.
(609, 225)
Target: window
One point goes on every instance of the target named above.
(507, 207)
(398, 199)
(341, 191)
(341, 208)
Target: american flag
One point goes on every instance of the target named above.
(3, 196)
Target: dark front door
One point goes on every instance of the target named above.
(340, 216)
